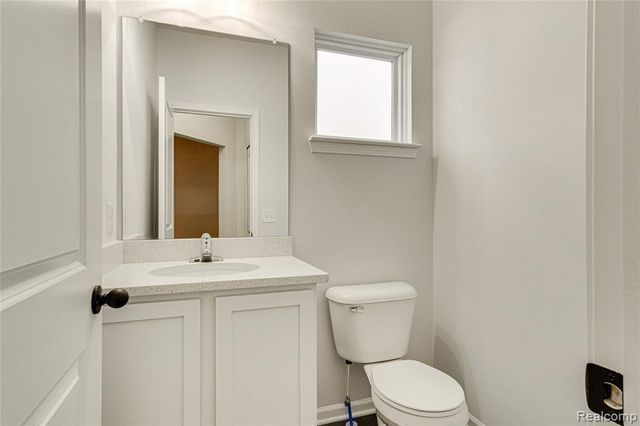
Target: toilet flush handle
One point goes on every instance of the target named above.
(357, 309)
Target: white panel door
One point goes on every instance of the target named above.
(50, 214)
(151, 364)
(266, 359)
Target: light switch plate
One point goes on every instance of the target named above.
(268, 215)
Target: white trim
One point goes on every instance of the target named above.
(254, 140)
(384, 48)
(590, 180)
(398, 53)
(473, 421)
(162, 158)
(338, 412)
(370, 147)
(138, 236)
(404, 102)
(56, 397)
(194, 139)
(30, 286)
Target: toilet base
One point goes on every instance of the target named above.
(380, 421)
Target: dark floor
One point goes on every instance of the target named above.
(369, 420)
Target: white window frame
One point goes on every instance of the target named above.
(400, 56)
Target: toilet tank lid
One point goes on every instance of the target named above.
(371, 293)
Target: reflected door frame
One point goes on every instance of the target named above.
(253, 115)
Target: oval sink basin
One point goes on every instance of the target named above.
(204, 269)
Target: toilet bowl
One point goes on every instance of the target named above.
(411, 393)
(371, 325)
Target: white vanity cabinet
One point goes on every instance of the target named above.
(151, 364)
(245, 357)
(265, 349)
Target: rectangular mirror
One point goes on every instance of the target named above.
(205, 133)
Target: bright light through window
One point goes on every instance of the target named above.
(355, 96)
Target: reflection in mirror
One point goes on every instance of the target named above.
(210, 176)
(204, 133)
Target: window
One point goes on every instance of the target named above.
(355, 96)
(363, 88)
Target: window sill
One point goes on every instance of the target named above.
(370, 147)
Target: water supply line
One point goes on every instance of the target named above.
(347, 401)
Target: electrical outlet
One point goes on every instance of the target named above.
(109, 218)
(269, 216)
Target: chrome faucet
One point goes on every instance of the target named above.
(205, 248)
(205, 251)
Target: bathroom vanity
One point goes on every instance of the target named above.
(231, 342)
(205, 151)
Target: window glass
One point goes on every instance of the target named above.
(355, 96)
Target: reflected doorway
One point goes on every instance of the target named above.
(210, 175)
(197, 192)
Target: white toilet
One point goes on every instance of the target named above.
(371, 325)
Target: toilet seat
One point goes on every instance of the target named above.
(416, 386)
(408, 392)
(392, 415)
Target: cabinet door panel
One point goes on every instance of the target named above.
(266, 359)
(151, 364)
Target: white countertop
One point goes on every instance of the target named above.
(276, 271)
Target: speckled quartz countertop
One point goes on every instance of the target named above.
(143, 279)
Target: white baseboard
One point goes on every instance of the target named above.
(474, 422)
(338, 412)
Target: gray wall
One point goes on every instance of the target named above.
(362, 219)
(510, 243)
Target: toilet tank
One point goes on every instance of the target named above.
(371, 322)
